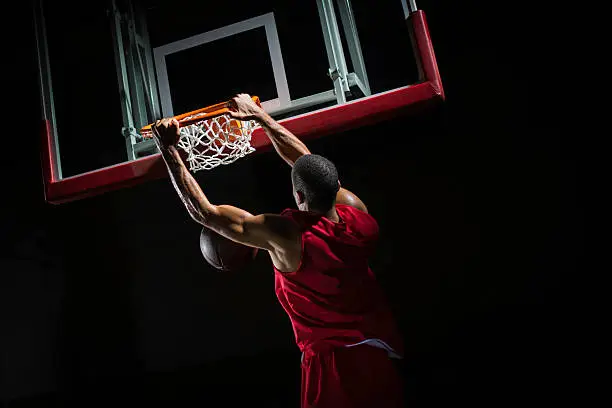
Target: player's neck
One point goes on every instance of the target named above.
(331, 215)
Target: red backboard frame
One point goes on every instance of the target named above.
(339, 118)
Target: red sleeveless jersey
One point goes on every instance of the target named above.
(333, 298)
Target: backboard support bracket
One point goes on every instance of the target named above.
(135, 74)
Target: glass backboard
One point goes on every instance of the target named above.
(318, 66)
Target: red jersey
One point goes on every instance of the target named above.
(333, 298)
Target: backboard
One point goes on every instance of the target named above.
(319, 66)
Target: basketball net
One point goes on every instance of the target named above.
(211, 137)
(216, 141)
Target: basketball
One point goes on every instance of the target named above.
(224, 254)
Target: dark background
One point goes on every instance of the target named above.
(106, 300)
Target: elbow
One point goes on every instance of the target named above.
(200, 215)
(197, 218)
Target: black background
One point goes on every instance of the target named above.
(106, 300)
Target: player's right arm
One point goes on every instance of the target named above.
(286, 144)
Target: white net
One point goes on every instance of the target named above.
(215, 141)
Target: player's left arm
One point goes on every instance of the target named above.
(266, 231)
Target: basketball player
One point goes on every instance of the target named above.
(320, 254)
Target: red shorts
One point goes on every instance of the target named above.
(350, 377)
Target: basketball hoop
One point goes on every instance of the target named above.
(211, 137)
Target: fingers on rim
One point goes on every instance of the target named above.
(232, 104)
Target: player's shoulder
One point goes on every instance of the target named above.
(349, 211)
(359, 224)
(281, 230)
(289, 212)
(292, 218)
(358, 220)
(298, 217)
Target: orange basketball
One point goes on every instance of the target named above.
(224, 254)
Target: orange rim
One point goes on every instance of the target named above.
(198, 115)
